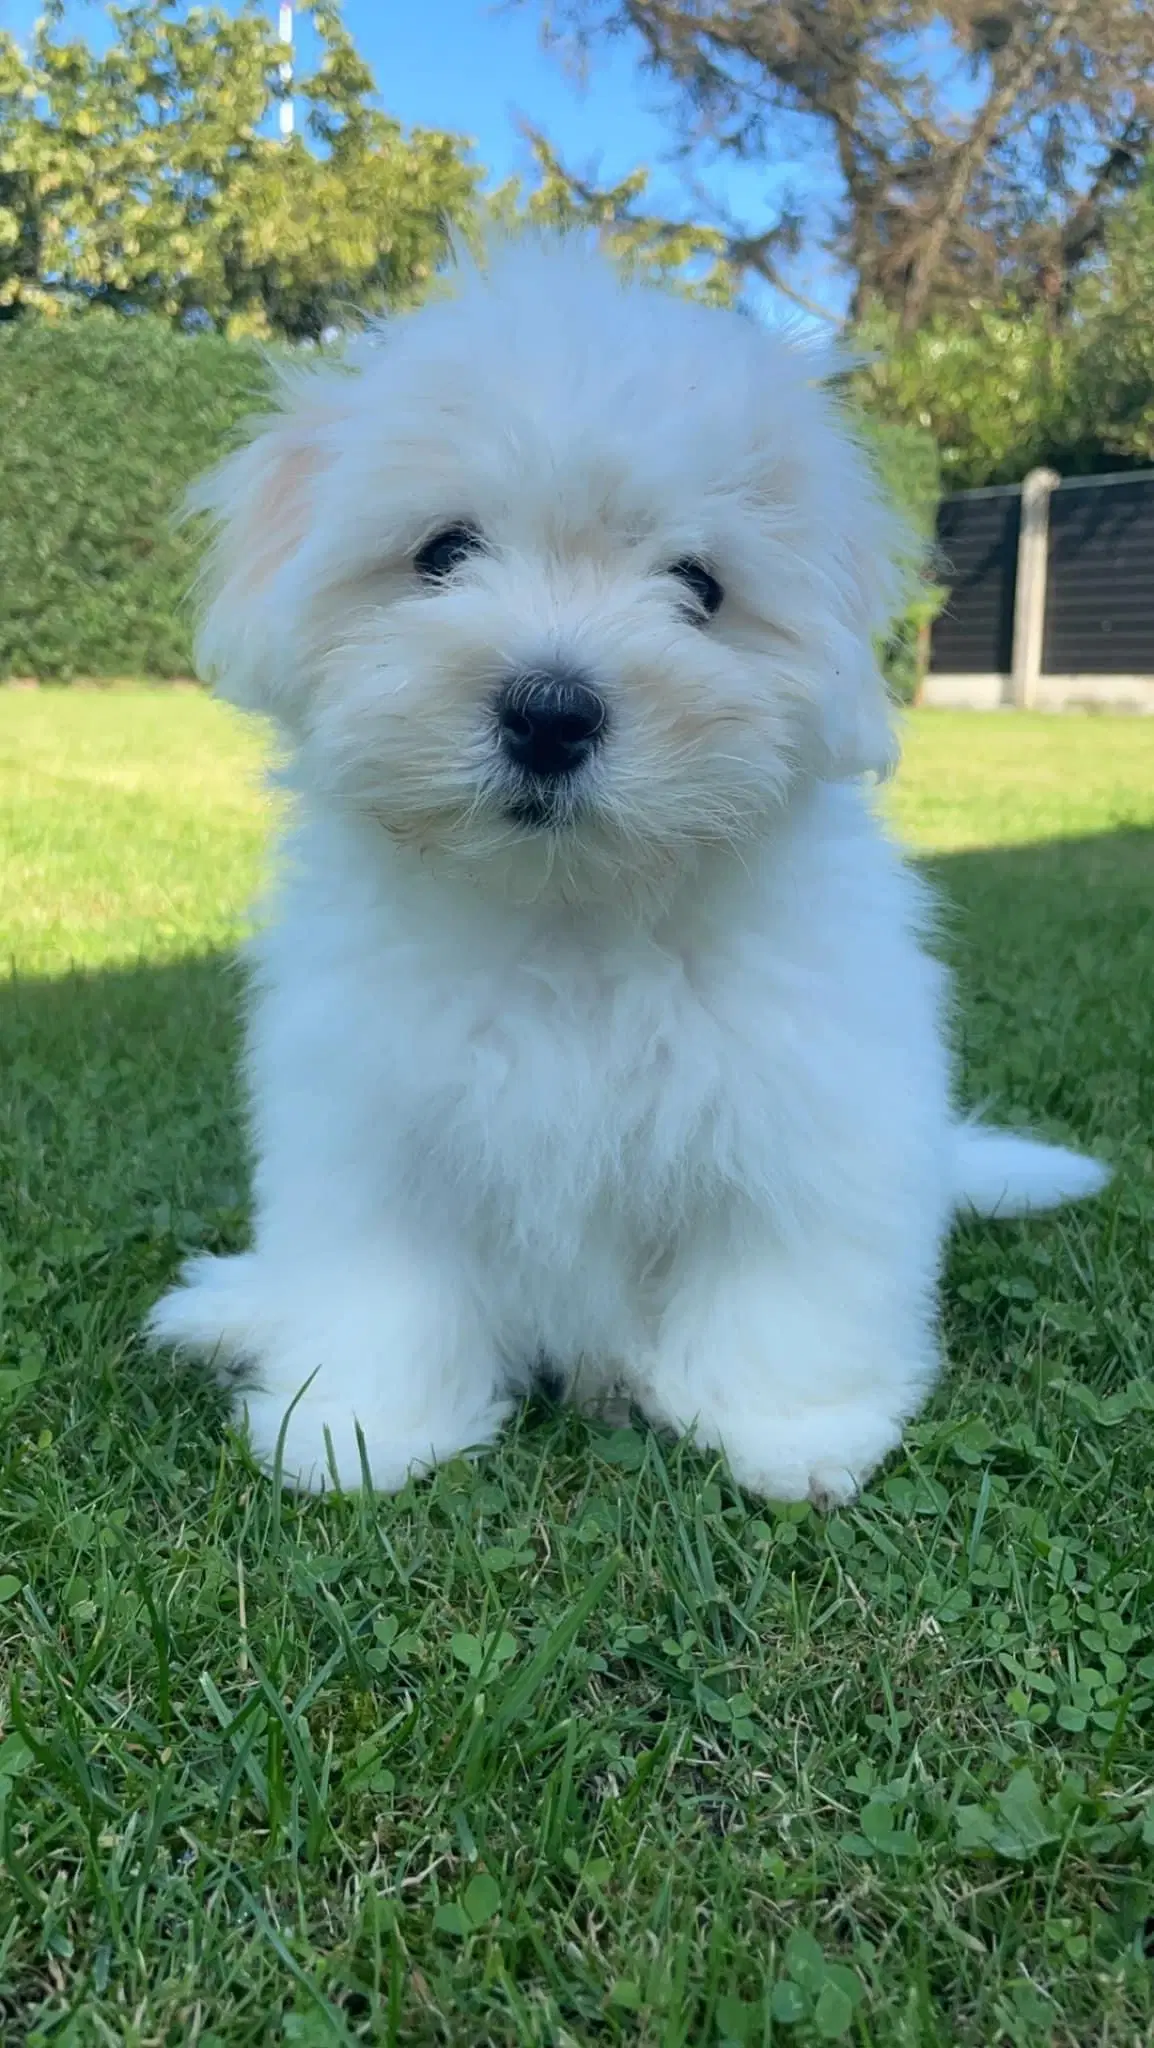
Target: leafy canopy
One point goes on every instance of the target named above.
(146, 177)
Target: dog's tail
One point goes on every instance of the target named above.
(997, 1173)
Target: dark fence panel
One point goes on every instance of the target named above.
(977, 558)
(1100, 584)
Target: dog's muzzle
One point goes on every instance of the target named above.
(549, 724)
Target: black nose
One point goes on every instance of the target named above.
(549, 722)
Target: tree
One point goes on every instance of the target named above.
(141, 179)
(1114, 384)
(978, 143)
(1010, 391)
(994, 394)
(686, 255)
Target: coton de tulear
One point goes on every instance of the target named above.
(592, 1024)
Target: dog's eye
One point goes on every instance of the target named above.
(445, 550)
(701, 584)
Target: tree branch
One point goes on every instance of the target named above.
(980, 137)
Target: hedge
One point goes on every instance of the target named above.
(908, 463)
(104, 420)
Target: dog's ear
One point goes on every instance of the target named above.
(261, 502)
(860, 555)
(856, 713)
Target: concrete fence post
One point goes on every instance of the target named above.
(1030, 588)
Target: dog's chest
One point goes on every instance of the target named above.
(573, 1089)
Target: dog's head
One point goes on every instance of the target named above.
(561, 572)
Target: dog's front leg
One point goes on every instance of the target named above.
(348, 1356)
(800, 1363)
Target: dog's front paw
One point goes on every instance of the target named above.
(314, 1444)
(821, 1454)
(350, 1373)
(800, 1368)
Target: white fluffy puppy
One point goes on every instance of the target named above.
(592, 1027)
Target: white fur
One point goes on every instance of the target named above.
(660, 1097)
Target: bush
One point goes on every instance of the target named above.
(106, 420)
(906, 458)
(1004, 390)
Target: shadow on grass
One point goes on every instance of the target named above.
(1053, 948)
(122, 1146)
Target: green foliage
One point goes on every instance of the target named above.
(906, 460)
(139, 180)
(685, 255)
(109, 418)
(991, 395)
(140, 176)
(1116, 363)
(1005, 390)
(106, 421)
(908, 464)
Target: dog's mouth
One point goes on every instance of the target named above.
(541, 808)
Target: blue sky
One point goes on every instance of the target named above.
(475, 68)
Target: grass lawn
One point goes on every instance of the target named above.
(576, 1745)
